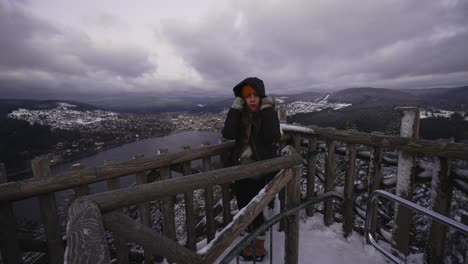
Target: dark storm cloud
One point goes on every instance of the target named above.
(301, 44)
(34, 51)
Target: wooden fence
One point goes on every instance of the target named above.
(441, 174)
(103, 210)
(43, 185)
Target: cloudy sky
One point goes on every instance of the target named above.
(65, 48)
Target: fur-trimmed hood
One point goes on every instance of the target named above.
(267, 102)
(255, 82)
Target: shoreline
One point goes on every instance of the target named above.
(21, 175)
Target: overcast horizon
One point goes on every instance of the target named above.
(76, 50)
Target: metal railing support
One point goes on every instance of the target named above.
(275, 219)
(372, 203)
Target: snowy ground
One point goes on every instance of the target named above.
(321, 244)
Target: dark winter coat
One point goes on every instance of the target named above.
(265, 130)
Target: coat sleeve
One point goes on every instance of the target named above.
(232, 125)
(270, 126)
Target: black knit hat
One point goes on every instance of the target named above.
(255, 82)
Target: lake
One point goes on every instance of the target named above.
(29, 208)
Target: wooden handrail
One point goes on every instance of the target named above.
(112, 200)
(158, 244)
(429, 147)
(35, 186)
(245, 216)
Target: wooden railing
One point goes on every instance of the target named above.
(43, 185)
(104, 207)
(103, 210)
(355, 145)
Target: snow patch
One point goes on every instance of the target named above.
(407, 122)
(317, 106)
(405, 167)
(299, 129)
(318, 244)
(66, 105)
(436, 113)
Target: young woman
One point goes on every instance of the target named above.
(253, 123)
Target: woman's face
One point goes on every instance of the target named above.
(252, 101)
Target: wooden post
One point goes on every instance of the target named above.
(86, 235)
(120, 243)
(441, 194)
(282, 113)
(464, 220)
(8, 237)
(81, 190)
(114, 183)
(167, 203)
(311, 165)
(55, 247)
(144, 209)
(375, 176)
(282, 116)
(226, 190)
(189, 209)
(405, 181)
(348, 203)
(282, 201)
(292, 229)
(246, 216)
(210, 228)
(329, 182)
(283, 194)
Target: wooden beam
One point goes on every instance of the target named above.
(311, 166)
(55, 248)
(209, 214)
(441, 193)
(9, 246)
(375, 177)
(167, 203)
(292, 228)
(85, 234)
(329, 182)
(144, 208)
(226, 190)
(405, 183)
(245, 216)
(189, 208)
(80, 190)
(32, 187)
(348, 204)
(422, 146)
(149, 238)
(121, 248)
(141, 193)
(282, 114)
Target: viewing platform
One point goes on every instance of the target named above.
(318, 170)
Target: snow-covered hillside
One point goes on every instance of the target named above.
(63, 116)
(440, 113)
(317, 106)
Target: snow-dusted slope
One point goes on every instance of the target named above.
(317, 106)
